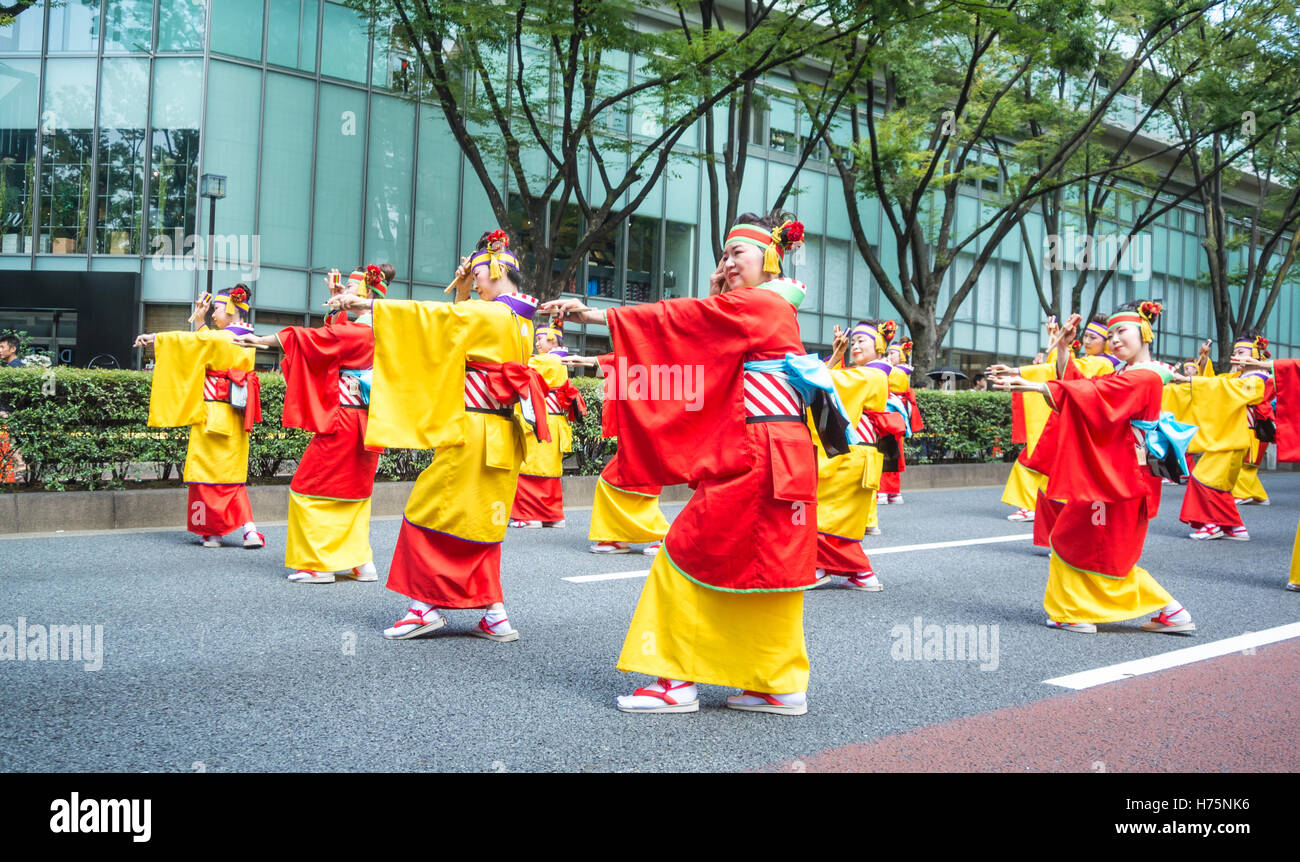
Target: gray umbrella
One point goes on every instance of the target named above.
(947, 373)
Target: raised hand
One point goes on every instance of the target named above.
(717, 281)
(145, 339)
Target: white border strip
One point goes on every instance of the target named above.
(897, 549)
(1164, 661)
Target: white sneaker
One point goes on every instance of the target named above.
(1021, 515)
(651, 549)
(873, 531)
(1081, 628)
(795, 703)
(664, 695)
(896, 499)
(882, 498)
(211, 541)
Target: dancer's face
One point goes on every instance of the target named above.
(742, 264)
(222, 318)
(545, 343)
(1093, 344)
(1126, 343)
(862, 349)
(486, 288)
(1244, 352)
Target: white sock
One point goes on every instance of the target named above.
(250, 527)
(367, 568)
(1179, 618)
(421, 606)
(494, 617)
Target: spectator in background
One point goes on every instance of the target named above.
(9, 352)
(980, 384)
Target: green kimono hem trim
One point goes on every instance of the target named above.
(601, 481)
(1085, 571)
(332, 499)
(663, 549)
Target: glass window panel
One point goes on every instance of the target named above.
(344, 42)
(395, 63)
(237, 29)
(23, 35)
(128, 26)
(278, 288)
(291, 39)
(565, 240)
(435, 201)
(286, 170)
(119, 189)
(781, 130)
(173, 185)
(865, 302)
(180, 25)
(388, 185)
(679, 256)
(837, 277)
(20, 82)
(643, 259)
(67, 125)
(74, 26)
(1008, 292)
(987, 292)
(231, 151)
(339, 158)
(805, 264)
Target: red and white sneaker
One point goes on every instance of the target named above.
(1237, 534)
(254, 539)
(1021, 515)
(896, 499)
(1208, 531)
(665, 695)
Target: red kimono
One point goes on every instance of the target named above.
(1108, 496)
(751, 524)
(336, 463)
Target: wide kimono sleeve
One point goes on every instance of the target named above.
(1093, 366)
(553, 371)
(313, 358)
(1095, 455)
(181, 359)
(861, 390)
(1217, 407)
(1286, 378)
(417, 397)
(678, 421)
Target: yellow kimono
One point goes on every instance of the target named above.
(427, 395)
(192, 386)
(1216, 404)
(844, 484)
(540, 496)
(1024, 484)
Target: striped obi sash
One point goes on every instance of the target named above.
(866, 430)
(553, 404)
(354, 387)
(769, 397)
(478, 394)
(240, 389)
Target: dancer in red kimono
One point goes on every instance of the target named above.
(328, 372)
(723, 603)
(1109, 491)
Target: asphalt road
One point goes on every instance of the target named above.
(212, 661)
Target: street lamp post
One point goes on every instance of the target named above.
(212, 187)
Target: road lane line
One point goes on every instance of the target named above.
(897, 549)
(1176, 658)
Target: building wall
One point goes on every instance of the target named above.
(331, 161)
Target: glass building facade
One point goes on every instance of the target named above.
(111, 110)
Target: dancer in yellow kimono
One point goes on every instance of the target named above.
(1249, 491)
(1219, 406)
(447, 377)
(845, 485)
(539, 500)
(203, 380)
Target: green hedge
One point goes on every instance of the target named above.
(87, 429)
(962, 426)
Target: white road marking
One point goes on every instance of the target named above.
(1164, 661)
(897, 549)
